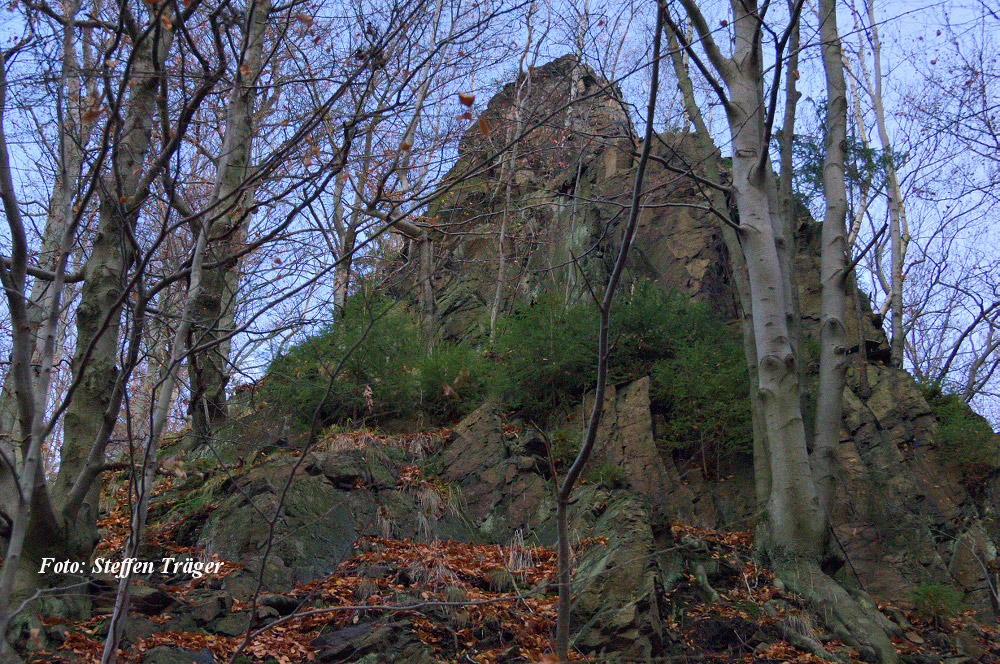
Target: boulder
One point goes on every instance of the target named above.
(336, 498)
(501, 490)
(384, 642)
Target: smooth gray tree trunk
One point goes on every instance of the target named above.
(795, 526)
(226, 217)
(98, 318)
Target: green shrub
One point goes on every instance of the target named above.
(699, 375)
(963, 437)
(452, 381)
(703, 394)
(547, 353)
(936, 601)
(388, 374)
(565, 444)
(545, 356)
(379, 378)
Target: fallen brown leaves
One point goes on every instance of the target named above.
(497, 605)
(432, 574)
(509, 624)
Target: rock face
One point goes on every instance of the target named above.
(497, 473)
(334, 498)
(560, 200)
(903, 517)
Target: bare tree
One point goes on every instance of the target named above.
(899, 235)
(561, 644)
(798, 484)
(952, 286)
(210, 135)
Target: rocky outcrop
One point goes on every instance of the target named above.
(904, 517)
(569, 183)
(500, 476)
(619, 587)
(335, 498)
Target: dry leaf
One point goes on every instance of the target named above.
(465, 116)
(245, 71)
(466, 98)
(483, 127)
(165, 22)
(405, 145)
(304, 19)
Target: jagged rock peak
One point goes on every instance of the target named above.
(567, 111)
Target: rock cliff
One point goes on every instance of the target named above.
(664, 564)
(904, 516)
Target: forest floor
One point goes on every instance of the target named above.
(446, 601)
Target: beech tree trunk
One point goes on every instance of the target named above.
(795, 525)
(226, 218)
(73, 137)
(63, 521)
(91, 414)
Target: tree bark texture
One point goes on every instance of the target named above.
(95, 364)
(226, 218)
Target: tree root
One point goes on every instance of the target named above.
(800, 633)
(702, 578)
(848, 619)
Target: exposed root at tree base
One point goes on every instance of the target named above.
(842, 614)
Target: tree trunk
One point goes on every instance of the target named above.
(523, 85)
(74, 135)
(833, 266)
(426, 285)
(227, 217)
(346, 239)
(561, 645)
(98, 317)
(898, 234)
(144, 484)
(794, 529)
